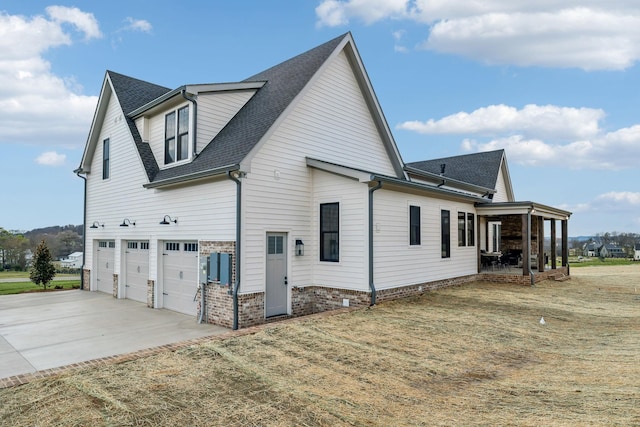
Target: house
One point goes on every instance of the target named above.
(636, 252)
(74, 260)
(591, 249)
(285, 194)
(611, 251)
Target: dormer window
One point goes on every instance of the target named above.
(176, 136)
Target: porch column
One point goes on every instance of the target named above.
(565, 242)
(540, 242)
(526, 232)
(553, 244)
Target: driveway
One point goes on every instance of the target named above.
(52, 329)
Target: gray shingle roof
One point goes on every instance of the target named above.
(478, 169)
(230, 146)
(133, 93)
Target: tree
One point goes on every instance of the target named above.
(42, 270)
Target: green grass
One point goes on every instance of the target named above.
(21, 287)
(595, 261)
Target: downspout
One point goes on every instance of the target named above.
(84, 226)
(371, 283)
(195, 120)
(532, 279)
(236, 285)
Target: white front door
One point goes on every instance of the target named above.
(137, 270)
(105, 257)
(180, 276)
(276, 284)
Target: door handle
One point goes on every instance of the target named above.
(286, 282)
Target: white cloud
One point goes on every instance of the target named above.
(334, 13)
(587, 34)
(37, 106)
(83, 21)
(540, 120)
(621, 198)
(137, 25)
(541, 136)
(51, 158)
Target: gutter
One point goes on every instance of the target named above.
(193, 101)
(529, 247)
(84, 225)
(371, 282)
(236, 285)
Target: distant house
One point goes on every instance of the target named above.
(74, 260)
(611, 251)
(636, 252)
(591, 249)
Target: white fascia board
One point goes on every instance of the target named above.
(522, 208)
(224, 87)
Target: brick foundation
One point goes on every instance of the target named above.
(115, 286)
(86, 279)
(316, 299)
(150, 293)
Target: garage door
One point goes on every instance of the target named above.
(180, 276)
(104, 263)
(137, 270)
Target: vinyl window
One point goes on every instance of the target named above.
(445, 233)
(414, 225)
(176, 136)
(330, 232)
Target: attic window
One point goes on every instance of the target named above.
(176, 136)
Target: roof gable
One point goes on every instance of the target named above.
(245, 130)
(480, 169)
(131, 94)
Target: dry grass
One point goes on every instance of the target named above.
(473, 355)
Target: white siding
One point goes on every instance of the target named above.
(501, 189)
(331, 122)
(205, 211)
(215, 110)
(396, 262)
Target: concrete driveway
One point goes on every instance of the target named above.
(53, 329)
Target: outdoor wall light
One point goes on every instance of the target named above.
(126, 223)
(168, 220)
(97, 225)
(299, 247)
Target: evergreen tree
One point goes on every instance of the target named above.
(42, 270)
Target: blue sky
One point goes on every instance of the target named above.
(554, 83)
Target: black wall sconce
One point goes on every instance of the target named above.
(299, 247)
(168, 220)
(96, 224)
(126, 223)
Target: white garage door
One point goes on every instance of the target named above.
(137, 270)
(104, 265)
(180, 276)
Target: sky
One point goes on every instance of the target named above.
(555, 83)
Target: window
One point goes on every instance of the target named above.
(462, 229)
(172, 246)
(191, 247)
(176, 136)
(275, 245)
(414, 225)
(144, 245)
(445, 232)
(329, 232)
(132, 245)
(105, 159)
(471, 239)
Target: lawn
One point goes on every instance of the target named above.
(7, 288)
(471, 355)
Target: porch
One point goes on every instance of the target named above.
(511, 239)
